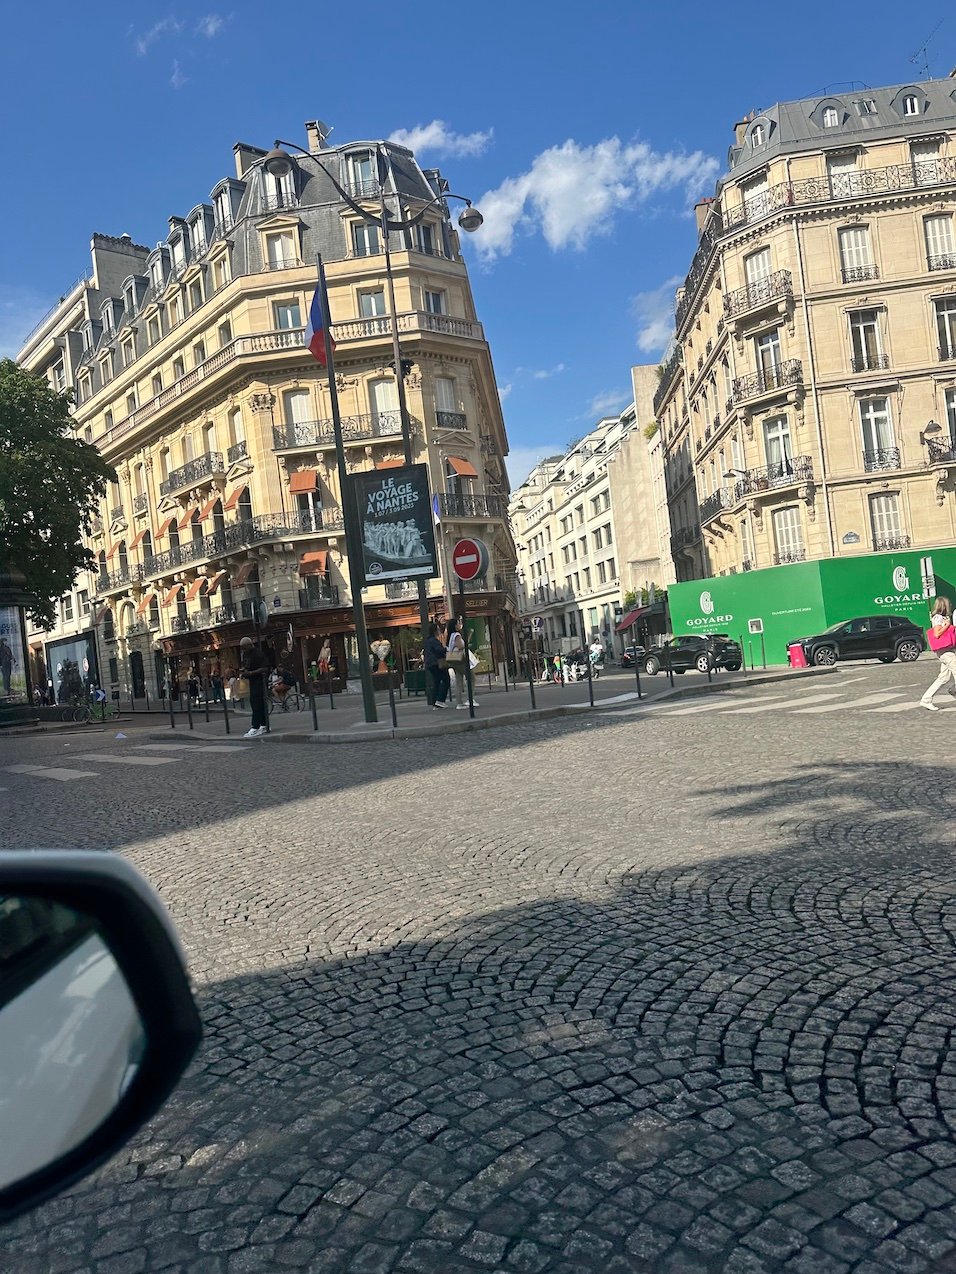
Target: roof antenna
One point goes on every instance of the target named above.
(921, 57)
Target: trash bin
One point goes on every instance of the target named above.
(796, 656)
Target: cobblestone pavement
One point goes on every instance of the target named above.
(639, 993)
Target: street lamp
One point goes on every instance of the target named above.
(278, 163)
(931, 427)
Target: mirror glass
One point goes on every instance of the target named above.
(71, 1037)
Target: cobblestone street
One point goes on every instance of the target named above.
(669, 990)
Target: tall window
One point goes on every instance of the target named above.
(865, 340)
(297, 406)
(286, 315)
(372, 306)
(951, 415)
(446, 400)
(746, 546)
(844, 174)
(758, 135)
(209, 437)
(157, 384)
(925, 157)
(364, 239)
(856, 259)
(910, 104)
(768, 356)
(383, 402)
(152, 330)
(879, 444)
(225, 334)
(83, 598)
(788, 535)
(309, 507)
(940, 247)
(186, 448)
(178, 250)
(757, 266)
(755, 197)
(362, 173)
(946, 327)
(280, 191)
(425, 238)
(236, 432)
(778, 448)
(831, 117)
(221, 272)
(885, 521)
(434, 302)
(280, 249)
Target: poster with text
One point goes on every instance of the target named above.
(395, 523)
(13, 677)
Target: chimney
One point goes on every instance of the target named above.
(740, 129)
(316, 131)
(702, 211)
(246, 156)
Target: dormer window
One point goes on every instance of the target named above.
(867, 106)
(362, 174)
(223, 211)
(156, 275)
(758, 136)
(128, 353)
(178, 249)
(831, 118)
(197, 234)
(910, 104)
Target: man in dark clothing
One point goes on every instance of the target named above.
(434, 654)
(255, 669)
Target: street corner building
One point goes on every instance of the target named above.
(193, 376)
(807, 408)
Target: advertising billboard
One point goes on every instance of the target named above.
(395, 523)
(73, 667)
(13, 664)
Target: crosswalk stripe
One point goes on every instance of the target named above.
(867, 701)
(722, 706)
(106, 758)
(50, 772)
(898, 707)
(770, 707)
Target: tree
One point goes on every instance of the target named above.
(50, 487)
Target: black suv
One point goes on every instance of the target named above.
(883, 637)
(631, 655)
(716, 650)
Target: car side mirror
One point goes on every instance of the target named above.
(97, 1019)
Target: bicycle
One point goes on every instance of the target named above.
(88, 713)
(291, 701)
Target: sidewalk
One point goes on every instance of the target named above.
(345, 722)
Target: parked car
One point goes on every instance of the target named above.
(716, 650)
(883, 637)
(631, 655)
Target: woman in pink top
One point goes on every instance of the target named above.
(942, 639)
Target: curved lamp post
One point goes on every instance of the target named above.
(279, 163)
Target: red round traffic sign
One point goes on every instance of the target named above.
(469, 559)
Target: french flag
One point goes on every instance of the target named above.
(315, 332)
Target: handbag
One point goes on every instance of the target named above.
(455, 657)
(941, 639)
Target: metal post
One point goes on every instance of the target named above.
(353, 539)
(750, 647)
(169, 688)
(189, 707)
(670, 669)
(763, 652)
(314, 706)
(530, 666)
(331, 695)
(637, 673)
(391, 704)
(743, 657)
(467, 660)
(590, 679)
(206, 691)
(225, 709)
(103, 712)
(146, 692)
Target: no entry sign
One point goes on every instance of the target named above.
(469, 559)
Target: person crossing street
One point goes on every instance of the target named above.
(255, 669)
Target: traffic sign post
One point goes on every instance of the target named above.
(469, 560)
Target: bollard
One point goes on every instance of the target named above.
(670, 670)
(531, 683)
(590, 679)
(172, 714)
(103, 712)
(763, 652)
(189, 709)
(206, 689)
(314, 707)
(504, 669)
(709, 662)
(331, 696)
(225, 711)
(743, 657)
(637, 674)
(391, 704)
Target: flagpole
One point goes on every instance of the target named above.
(353, 534)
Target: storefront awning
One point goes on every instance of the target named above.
(195, 588)
(112, 549)
(632, 616)
(235, 498)
(464, 468)
(143, 606)
(172, 594)
(165, 527)
(214, 583)
(304, 481)
(316, 563)
(389, 464)
(137, 538)
(242, 575)
(186, 519)
(207, 508)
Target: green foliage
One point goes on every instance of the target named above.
(651, 429)
(50, 487)
(630, 599)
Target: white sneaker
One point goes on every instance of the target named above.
(262, 730)
(439, 703)
(251, 734)
(930, 707)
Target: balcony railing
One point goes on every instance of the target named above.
(272, 203)
(116, 514)
(320, 433)
(122, 578)
(238, 451)
(683, 536)
(791, 555)
(140, 504)
(209, 465)
(181, 624)
(364, 189)
(943, 261)
(451, 420)
(887, 543)
(787, 373)
(709, 507)
(451, 505)
(138, 627)
(940, 452)
(870, 362)
(775, 287)
(313, 599)
(240, 535)
(217, 615)
(881, 458)
(946, 352)
(781, 474)
(860, 273)
(666, 375)
(283, 263)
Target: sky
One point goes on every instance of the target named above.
(583, 133)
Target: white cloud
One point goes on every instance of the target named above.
(438, 139)
(547, 372)
(504, 391)
(166, 26)
(20, 310)
(607, 403)
(654, 312)
(573, 192)
(178, 77)
(521, 460)
(210, 25)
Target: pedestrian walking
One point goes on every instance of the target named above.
(941, 636)
(455, 658)
(436, 668)
(255, 670)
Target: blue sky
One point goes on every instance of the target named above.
(584, 134)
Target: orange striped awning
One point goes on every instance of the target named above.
(215, 582)
(143, 606)
(235, 497)
(389, 464)
(165, 527)
(303, 481)
(207, 508)
(137, 538)
(195, 588)
(464, 468)
(242, 575)
(186, 519)
(172, 594)
(316, 563)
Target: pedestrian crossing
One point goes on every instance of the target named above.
(813, 703)
(94, 765)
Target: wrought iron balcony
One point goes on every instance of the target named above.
(140, 504)
(313, 599)
(870, 362)
(181, 624)
(113, 580)
(451, 505)
(238, 451)
(860, 273)
(272, 203)
(320, 433)
(887, 543)
(940, 452)
(240, 535)
(96, 526)
(770, 476)
(746, 564)
(782, 376)
(775, 287)
(943, 261)
(451, 420)
(882, 458)
(364, 189)
(223, 226)
(718, 500)
(946, 352)
(792, 555)
(138, 627)
(683, 536)
(116, 514)
(195, 471)
(283, 263)
(211, 618)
